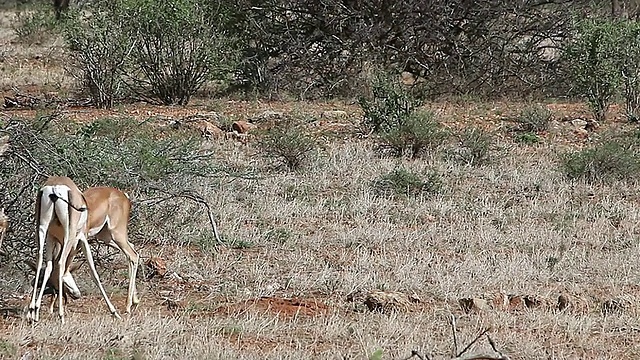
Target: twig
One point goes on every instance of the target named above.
(473, 342)
(186, 194)
(455, 337)
(495, 348)
(415, 353)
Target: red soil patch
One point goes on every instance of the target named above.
(284, 307)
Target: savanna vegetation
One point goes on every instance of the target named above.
(383, 175)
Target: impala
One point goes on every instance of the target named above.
(61, 216)
(108, 210)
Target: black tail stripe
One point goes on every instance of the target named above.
(55, 197)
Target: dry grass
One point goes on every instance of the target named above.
(514, 226)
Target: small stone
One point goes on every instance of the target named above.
(473, 305)
(385, 301)
(334, 114)
(579, 123)
(242, 127)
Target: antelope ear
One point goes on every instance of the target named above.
(31, 264)
(75, 266)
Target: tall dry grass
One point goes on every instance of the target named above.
(516, 226)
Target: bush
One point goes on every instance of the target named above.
(406, 183)
(534, 118)
(417, 132)
(527, 138)
(629, 63)
(35, 25)
(475, 147)
(134, 157)
(162, 51)
(594, 57)
(389, 105)
(101, 48)
(613, 159)
(178, 48)
(287, 143)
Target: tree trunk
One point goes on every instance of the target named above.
(615, 8)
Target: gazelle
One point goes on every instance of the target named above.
(61, 215)
(109, 210)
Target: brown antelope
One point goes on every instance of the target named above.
(61, 215)
(109, 211)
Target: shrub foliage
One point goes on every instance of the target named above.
(134, 157)
(614, 158)
(162, 51)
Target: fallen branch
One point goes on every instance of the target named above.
(190, 195)
(4, 224)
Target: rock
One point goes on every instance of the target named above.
(564, 302)
(407, 78)
(242, 127)
(532, 302)
(473, 305)
(210, 131)
(515, 302)
(268, 115)
(334, 114)
(591, 125)
(573, 304)
(155, 266)
(387, 301)
(579, 123)
(4, 144)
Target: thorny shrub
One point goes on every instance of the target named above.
(162, 52)
(404, 182)
(388, 107)
(134, 157)
(614, 158)
(474, 147)
(534, 118)
(287, 143)
(418, 132)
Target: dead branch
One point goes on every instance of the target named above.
(189, 195)
(415, 353)
(472, 342)
(453, 330)
(4, 224)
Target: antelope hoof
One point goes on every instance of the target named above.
(32, 315)
(116, 315)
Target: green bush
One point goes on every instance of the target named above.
(100, 51)
(527, 138)
(418, 132)
(594, 59)
(404, 182)
(35, 25)
(534, 118)
(613, 159)
(135, 157)
(179, 46)
(288, 144)
(629, 64)
(389, 105)
(474, 147)
(162, 51)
